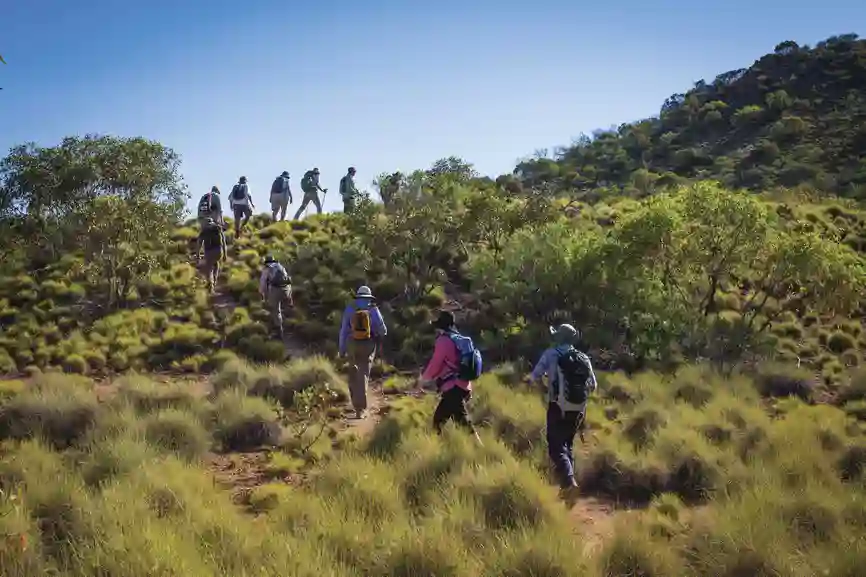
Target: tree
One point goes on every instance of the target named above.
(47, 191)
(108, 198)
(120, 239)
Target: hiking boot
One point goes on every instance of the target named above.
(570, 492)
(360, 414)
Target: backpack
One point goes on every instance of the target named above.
(307, 181)
(212, 237)
(204, 205)
(361, 326)
(469, 368)
(571, 387)
(343, 186)
(278, 186)
(279, 276)
(239, 192)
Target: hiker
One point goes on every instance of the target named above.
(281, 196)
(570, 380)
(242, 204)
(275, 286)
(348, 191)
(361, 334)
(210, 206)
(454, 365)
(212, 238)
(311, 188)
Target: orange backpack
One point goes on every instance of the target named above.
(361, 329)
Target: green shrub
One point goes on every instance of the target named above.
(57, 411)
(776, 380)
(177, 431)
(243, 423)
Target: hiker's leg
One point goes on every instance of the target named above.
(284, 206)
(461, 410)
(444, 411)
(556, 447)
(275, 310)
(238, 213)
(304, 204)
(357, 391)
(318, 204)
(570, 422)
(248, 213)
(365, 365)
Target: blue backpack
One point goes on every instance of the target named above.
(469, 368)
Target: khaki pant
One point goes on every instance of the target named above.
(308, 198)
(277, 299)
(279, 204)
(361, 355)
(212, 260)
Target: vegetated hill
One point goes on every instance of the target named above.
(795, 117)
(709, 451)
(94, 282)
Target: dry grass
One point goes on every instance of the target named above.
(725, 486)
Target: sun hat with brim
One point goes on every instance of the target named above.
(565, 333)
(270, 259)
(363, 292)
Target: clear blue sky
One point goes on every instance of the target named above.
(261, 86)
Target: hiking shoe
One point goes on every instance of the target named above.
(360, 414)
(570, 493)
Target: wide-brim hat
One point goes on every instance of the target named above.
(565, 333)
(364, 292)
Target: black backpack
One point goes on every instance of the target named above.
(307, 182)
(277, 186)
(343, 186)
(571, 389)
(279, 276)
(239, 191)
(204, 205)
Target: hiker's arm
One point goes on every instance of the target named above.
(436, 365)
(198, 245)
(378, 323)
(289, 190)
(593, 384)
(541, 368)
(344, 332)
(223, 250)
(263, 283)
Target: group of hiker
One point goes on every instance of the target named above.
(212, 225)
(455, 362)
(242, 206)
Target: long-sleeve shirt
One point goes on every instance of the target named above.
(377, 323)
(350, 190)
(315, 182)
(444, 363)
(547, 365)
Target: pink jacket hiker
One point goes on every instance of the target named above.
(446, 359)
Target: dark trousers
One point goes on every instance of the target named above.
(561, 430)
(452, 405)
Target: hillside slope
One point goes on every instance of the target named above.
(797, 116)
